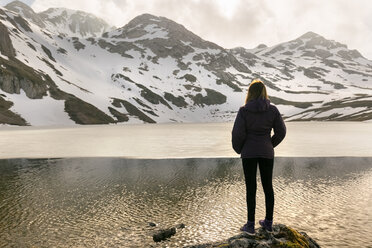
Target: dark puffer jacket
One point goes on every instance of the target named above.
(251, 134)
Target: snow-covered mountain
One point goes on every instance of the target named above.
(63, 66)
(315, 78)
(66, 22)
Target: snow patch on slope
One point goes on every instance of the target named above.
(37, 112)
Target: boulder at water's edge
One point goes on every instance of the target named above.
(282, 236)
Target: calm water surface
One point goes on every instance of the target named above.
(179, 140)
(104, 202)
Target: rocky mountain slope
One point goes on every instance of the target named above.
(63, 66)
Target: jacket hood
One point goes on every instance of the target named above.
(257, 105)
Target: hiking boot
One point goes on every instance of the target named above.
(267, 224)
(248, 228)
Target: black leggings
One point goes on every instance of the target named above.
(266, 172)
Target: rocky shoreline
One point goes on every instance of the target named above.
(282, 236)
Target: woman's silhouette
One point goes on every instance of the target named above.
(251, 137)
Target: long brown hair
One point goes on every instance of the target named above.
(256, 90)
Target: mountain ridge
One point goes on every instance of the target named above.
(155, 70)
(69, 22)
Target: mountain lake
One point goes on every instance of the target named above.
(102, 186)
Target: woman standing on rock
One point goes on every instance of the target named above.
(251, 137)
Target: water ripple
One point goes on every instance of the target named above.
(109, 202)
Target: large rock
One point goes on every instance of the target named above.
(164, 234)
(282, 236)
(12, 84)
(6, 47)
(15, 75)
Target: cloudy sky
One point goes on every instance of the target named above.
(246, 23)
